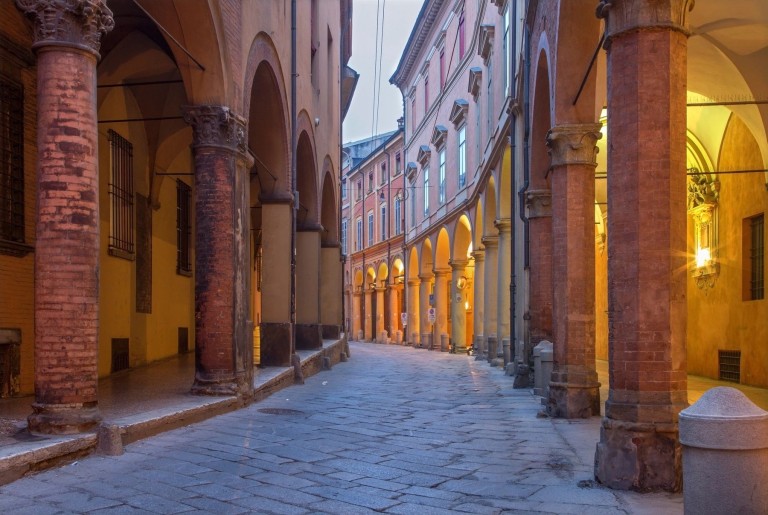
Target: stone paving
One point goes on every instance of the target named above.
(393, 430)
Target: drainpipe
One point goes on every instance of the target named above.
(526, 145)
(387, 294)
(342, 256)
(512, 155)
(294, 192)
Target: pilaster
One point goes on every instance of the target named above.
(490, 322)
(479, 302)
(458, 311)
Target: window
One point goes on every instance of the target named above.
(121, 196)
(462, 41)
(11, 161)
(426, 94)
(441, 172)
(383, 173)
(383, 221)
(370, 182)
(463, 156)
(359, 239)
(370, 228)
(183, 228)
(398, 164)
(426, 192)
(344, 236)
(489, 103)
(359, 189)
(507, 52)
(343, 189)
(413, 114)
(754, 239)
(398, 216)
(442, 69)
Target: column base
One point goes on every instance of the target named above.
(644, 457)
(64, 419)
(491, 344)
(224, 387)
(309, 337)
(331, 332)
(275, 344)
(479, 347)
(426, 341)
(568, 400)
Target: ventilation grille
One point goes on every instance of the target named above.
(730, 365)
(120, 354)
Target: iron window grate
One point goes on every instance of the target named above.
(120, 354)
(183, 228)
(757, 258)
(730, 365)
(11, 161)
(121, 238)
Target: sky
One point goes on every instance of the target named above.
(399, 16)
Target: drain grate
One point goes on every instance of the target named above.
(280, 411)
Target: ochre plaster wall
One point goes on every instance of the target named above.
(718, 317)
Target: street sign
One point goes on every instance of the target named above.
(431, 315)
(404, 318)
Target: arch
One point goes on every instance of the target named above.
(541, 123)
(462, 239)
(358, 279)
(328, 209)
(383, 272)
(489, 213)
(477, 233)
(505, 185)
(442, 249)
(370, 277)
(268, 132)
(306, 182)
(398, 267)
(413, 263)
(425, 266)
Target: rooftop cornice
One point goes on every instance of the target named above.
(420, 33)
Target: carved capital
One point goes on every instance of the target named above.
(216, 126)
(458, 265)
(490, 242)
(479, 255)
(631, 15)
(574, 144)
(503, 225)
(539, 203)
(72, 23)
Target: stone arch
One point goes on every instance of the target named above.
(382, 273)
(442, 249)
(328, 209)
(413, 263)
(477, 233)
(306, 181)
(541, 123)
(489, 211)
(398, 268)
(462, 238)
(425, 265)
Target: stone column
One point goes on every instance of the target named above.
(357, 321)
(573, 390)
(458, 312)
(308, 331)
(491, 244)
(504, 226)
(331, 276)
(646, 43)
(66, 39)
(426, 326)
(441, 306)
(479, 300)
(394, 309)
(414, 312)
(539, 203)
(223, 353)
(368, 316)
(380, 327)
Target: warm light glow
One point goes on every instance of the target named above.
(703, 257)
(469, 251)
(466, 305)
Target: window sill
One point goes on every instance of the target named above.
(185, 273)
(119, 253)
(15, 249)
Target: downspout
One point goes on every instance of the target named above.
(387, 293)
(526, 147)
(342, 256)
(294, 192)
(513, 176)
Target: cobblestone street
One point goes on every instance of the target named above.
(394, 430)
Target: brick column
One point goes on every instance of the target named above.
(504, 226)
(647, 52)
(379, 312)
(539, 204)
(67, 39)
(223, 348)
(478, 311)
(368, 327)
(357, 321)
(331, 275)
(414, 312)
(573, 390)
(458, 312)
(308, 331)
(394, 310)
(491, 244)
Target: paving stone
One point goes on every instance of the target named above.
(215, 506)
(157, 504)
(79, 501)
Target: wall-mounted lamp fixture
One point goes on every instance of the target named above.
(703, 195)
(461, 282)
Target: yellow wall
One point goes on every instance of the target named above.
(718, 318)
(601, 301)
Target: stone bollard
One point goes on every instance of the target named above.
(383, 337)
(360, 336)
(426, 341)
(725, 454)
(506, 351)
(415, 340)
(444, 343)
(542, 367)
(399, 337)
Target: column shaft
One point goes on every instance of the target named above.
(357, 322)
(458, 311)
(479, 300)
(491, 244)
(426, 325)
(67, 230)
(414, 312)
(308, 331)
(539, 204)
(441, 308)
(504, 259)
(380, 326)
(331, 275)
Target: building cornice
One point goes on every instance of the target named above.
(420, 33)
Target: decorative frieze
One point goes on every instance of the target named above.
(216, 126)
(74, 23)
(574, 144)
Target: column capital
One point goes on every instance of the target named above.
(216, 126)
(479, 255)
(539, 203)
(626, 16)
(68, 23)
(458, 264)
(414, 282)
(504, 225)
(426, 277)
(442, 272)
(574, 144)
(381, 288)
(490, 242)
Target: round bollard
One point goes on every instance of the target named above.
(725, 455)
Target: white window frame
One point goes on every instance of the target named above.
(462, 148)
(441, 176)
(426, 191)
